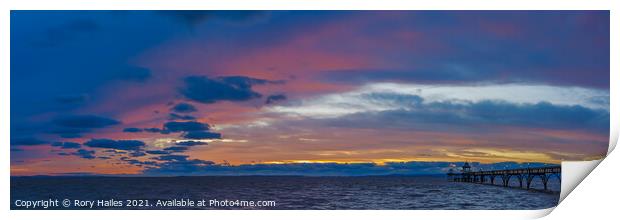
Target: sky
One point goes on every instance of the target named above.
(305, 92)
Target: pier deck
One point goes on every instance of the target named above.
(525, 176)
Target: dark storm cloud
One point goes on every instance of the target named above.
(131, 161)
(84, 121)
(86, 154)
(190, 143)
(176, 149)
(153, 130)
(496, 47)
(275, 98)
(137, 162)
(202, 135)
(114, 152)
(542, 114)
(177, 166)
(137, 154)
(67, 145)
(467, 114)
(229, 88)
(173, 116)
(132, 130)
(245, 82)
(26, 141)
(183, 108)
(172, 158)
(84, 52)
(157, 152)
(134, 145)
(60, 58)
(436, 75)
(178, 126)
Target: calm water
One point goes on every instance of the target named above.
(288, 192)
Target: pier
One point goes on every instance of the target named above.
(525, 176)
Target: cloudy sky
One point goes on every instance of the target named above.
(176, 92)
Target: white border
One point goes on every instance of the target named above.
(281, 5)
(614, 102)
(311, 5)
(596, 197)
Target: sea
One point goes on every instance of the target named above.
(273, 192)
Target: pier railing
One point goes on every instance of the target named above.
(525, 176)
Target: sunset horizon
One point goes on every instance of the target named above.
(225, 92)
